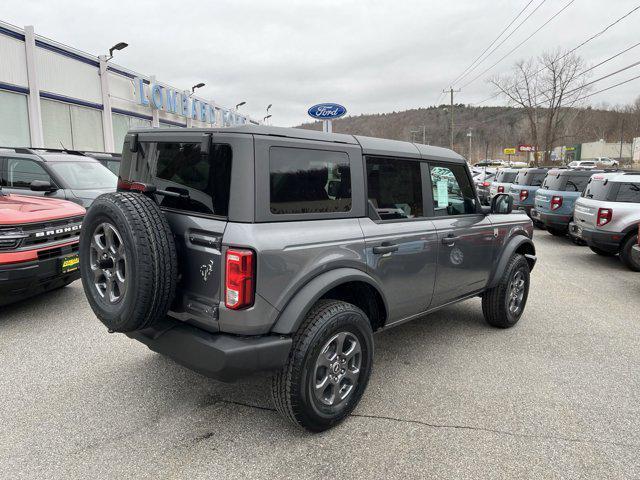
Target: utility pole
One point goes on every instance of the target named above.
(424, 134)
(621, 137)
(470, 135)
(451, 91)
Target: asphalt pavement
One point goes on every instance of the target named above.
(558, 396)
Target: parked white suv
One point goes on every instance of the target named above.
(607, 215)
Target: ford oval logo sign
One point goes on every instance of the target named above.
(327, 111)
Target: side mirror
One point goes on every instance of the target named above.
(502, 204)
(42, 186)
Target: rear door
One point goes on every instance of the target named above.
(465, 236)
(401, 242)
(194, 171)
(585, 212)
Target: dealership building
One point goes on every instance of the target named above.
(54, 96)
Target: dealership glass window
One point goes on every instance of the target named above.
(71, 126)
(452, 191)
(309, 181)
(394, 188)
(14, 120)
(122, 124)
(21, 172)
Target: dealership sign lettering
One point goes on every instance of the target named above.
(180, 103)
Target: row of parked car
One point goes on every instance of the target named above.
(599, 208)
(43, 197)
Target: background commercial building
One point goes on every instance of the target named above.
(54, 96)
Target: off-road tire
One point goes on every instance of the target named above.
(626, 255)
(291, 386)
(495, 302)
(151, 261)
(601, 252)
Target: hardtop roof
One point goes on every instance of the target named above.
(369, 145)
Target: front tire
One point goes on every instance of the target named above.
(328, 368)
(504, 304)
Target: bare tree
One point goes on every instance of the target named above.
(545, 88)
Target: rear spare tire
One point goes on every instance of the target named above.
(127, 261)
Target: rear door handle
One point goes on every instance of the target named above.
(450, 240)
(386, 247)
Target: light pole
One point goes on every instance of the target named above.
(117, 46)
(197, 85)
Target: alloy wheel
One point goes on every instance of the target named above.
(108, 261)
(337, 369)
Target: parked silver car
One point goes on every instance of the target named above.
(607, 214)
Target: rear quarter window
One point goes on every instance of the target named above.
(308, 181)
(576, 183)
(628, 192)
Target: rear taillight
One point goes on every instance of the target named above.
(239, 279)
(524, 194)
(556, 202)
(486, 184)
(604, 216)
(500, 189)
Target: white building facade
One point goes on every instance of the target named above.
(54, 96)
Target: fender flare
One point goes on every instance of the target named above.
(507, 252)
(293, 314)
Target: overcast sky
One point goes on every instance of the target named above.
(371, 56)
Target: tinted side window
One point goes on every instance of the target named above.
(576, 183)
(537, 179)
(203, 181)
(629, 192)
(394, 188)
(452, 191)
(309, 181)
(21, 172)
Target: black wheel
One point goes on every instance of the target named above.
(626, 255)
(601, 252)
(556, 232)
(328, 368)
(503, 305)
(127, 261)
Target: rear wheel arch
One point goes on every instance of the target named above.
(346, 284)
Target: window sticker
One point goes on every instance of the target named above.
(442, 188)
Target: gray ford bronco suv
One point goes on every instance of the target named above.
(255, 248)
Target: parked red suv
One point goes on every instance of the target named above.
(38, 245)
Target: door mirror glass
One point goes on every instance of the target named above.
(41, 186)
(502, 204)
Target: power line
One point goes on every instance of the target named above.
(609, 88)
(571, 91)
(464, 72)
(592, 37)
(520, 44)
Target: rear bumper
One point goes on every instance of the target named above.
(26, 279)
(554, 220)
(608, 241)
(217, 355)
